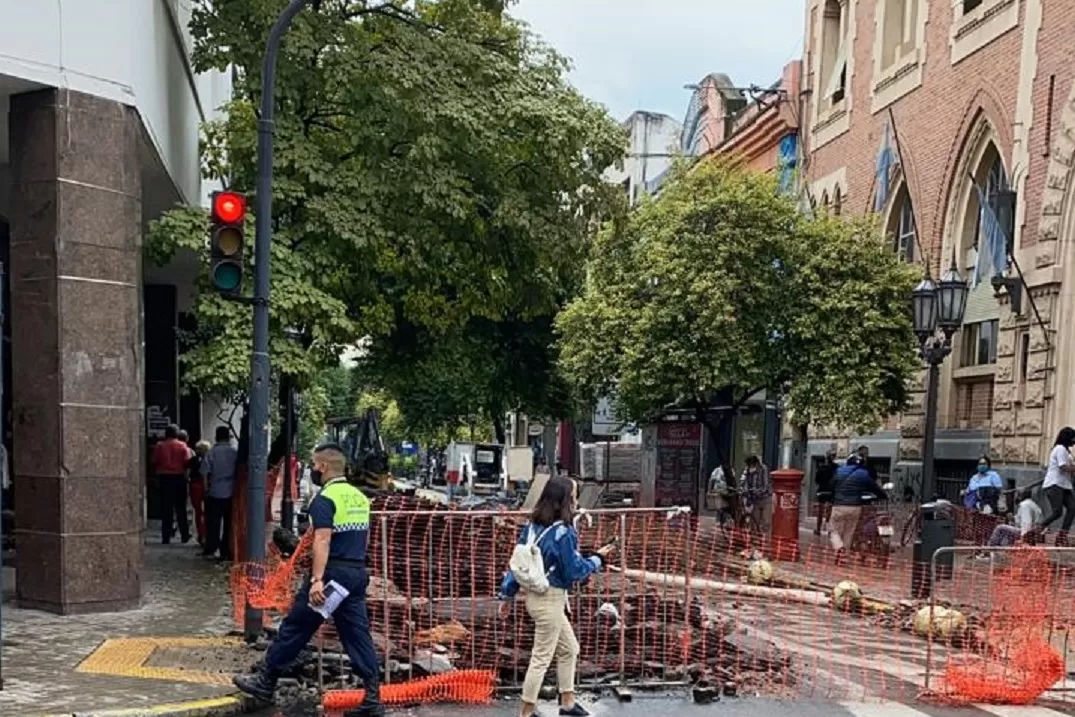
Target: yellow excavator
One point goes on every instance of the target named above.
(367, 459)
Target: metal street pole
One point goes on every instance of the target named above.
(287, 507)
(930, 432)
(5, 468)
(259, 359)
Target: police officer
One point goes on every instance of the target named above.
(340, 516)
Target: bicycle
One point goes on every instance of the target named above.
(732, 517)
(960, 515)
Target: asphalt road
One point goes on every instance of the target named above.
(660, 707)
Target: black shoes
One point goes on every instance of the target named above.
(576, 710)
(366, 709)
(371, 706)
(258, 685)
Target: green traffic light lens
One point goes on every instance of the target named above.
(227, 276)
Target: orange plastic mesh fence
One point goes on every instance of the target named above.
(686, 601)
(1012, 650)
(470, 687)
(271, 585)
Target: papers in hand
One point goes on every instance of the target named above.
(334, 595)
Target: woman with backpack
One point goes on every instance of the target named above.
(546, 564)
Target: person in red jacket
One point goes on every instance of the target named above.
(170, 459)
(198, 488)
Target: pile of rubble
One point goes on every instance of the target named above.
(641, 636)
(432, 610)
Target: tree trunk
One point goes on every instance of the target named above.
(714, 429)
(800, 438)
(498, 427)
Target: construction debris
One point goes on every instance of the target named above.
(433, 610)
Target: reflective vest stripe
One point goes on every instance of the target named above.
(352, 507)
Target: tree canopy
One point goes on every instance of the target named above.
(436, 182)
(718, 287)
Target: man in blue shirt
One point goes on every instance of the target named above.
(340, 517)
(218, 468)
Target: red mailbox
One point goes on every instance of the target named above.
(787, 492)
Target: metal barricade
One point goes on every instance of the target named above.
(1004, 603)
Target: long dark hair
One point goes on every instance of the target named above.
(1066, 437)
(555, 503)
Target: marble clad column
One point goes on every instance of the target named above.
(76, 276)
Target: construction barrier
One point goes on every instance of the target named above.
(1011, 656)
(468, 687)
(687, 602)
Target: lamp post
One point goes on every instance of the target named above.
(288, 405)
(938, 313)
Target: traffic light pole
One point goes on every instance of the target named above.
(259, 359)
(287, 506)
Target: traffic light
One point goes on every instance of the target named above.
(228, 217)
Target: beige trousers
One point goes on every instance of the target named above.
(553, 638)
(762, 513)
(842, 524)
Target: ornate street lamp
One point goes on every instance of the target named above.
(938, 310)
(952, 300)
(924, 304)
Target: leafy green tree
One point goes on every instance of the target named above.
(485, 370)
(432, 167)
(389, 418)
(331, 393)
(720, 289)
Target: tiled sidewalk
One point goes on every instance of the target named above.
(184, 596)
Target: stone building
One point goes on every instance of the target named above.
(978, 89)
(653, 139)
(99, 120)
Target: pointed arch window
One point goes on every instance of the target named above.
(901, 225)
(996, 181)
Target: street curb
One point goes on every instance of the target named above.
(226, 706)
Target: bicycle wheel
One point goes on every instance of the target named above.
(726, 521)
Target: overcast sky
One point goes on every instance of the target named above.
(638, 54)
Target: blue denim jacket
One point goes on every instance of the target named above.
(564, 565)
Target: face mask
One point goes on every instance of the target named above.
(983, 469)
(315, 476)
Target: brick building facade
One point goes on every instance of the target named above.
(970, 88)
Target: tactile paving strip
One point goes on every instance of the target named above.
(127, 657)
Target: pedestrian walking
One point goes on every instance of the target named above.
(198, 490)
(823, 477)
(850, 487)
(1058, 486)
(169, 459)
(758, 493)
(340, 515)
(219, 470)
(546, 580)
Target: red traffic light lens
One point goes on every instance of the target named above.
(229, 207)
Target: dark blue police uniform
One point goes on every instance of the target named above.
(343, 508)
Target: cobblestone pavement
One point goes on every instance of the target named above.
(183, 595)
